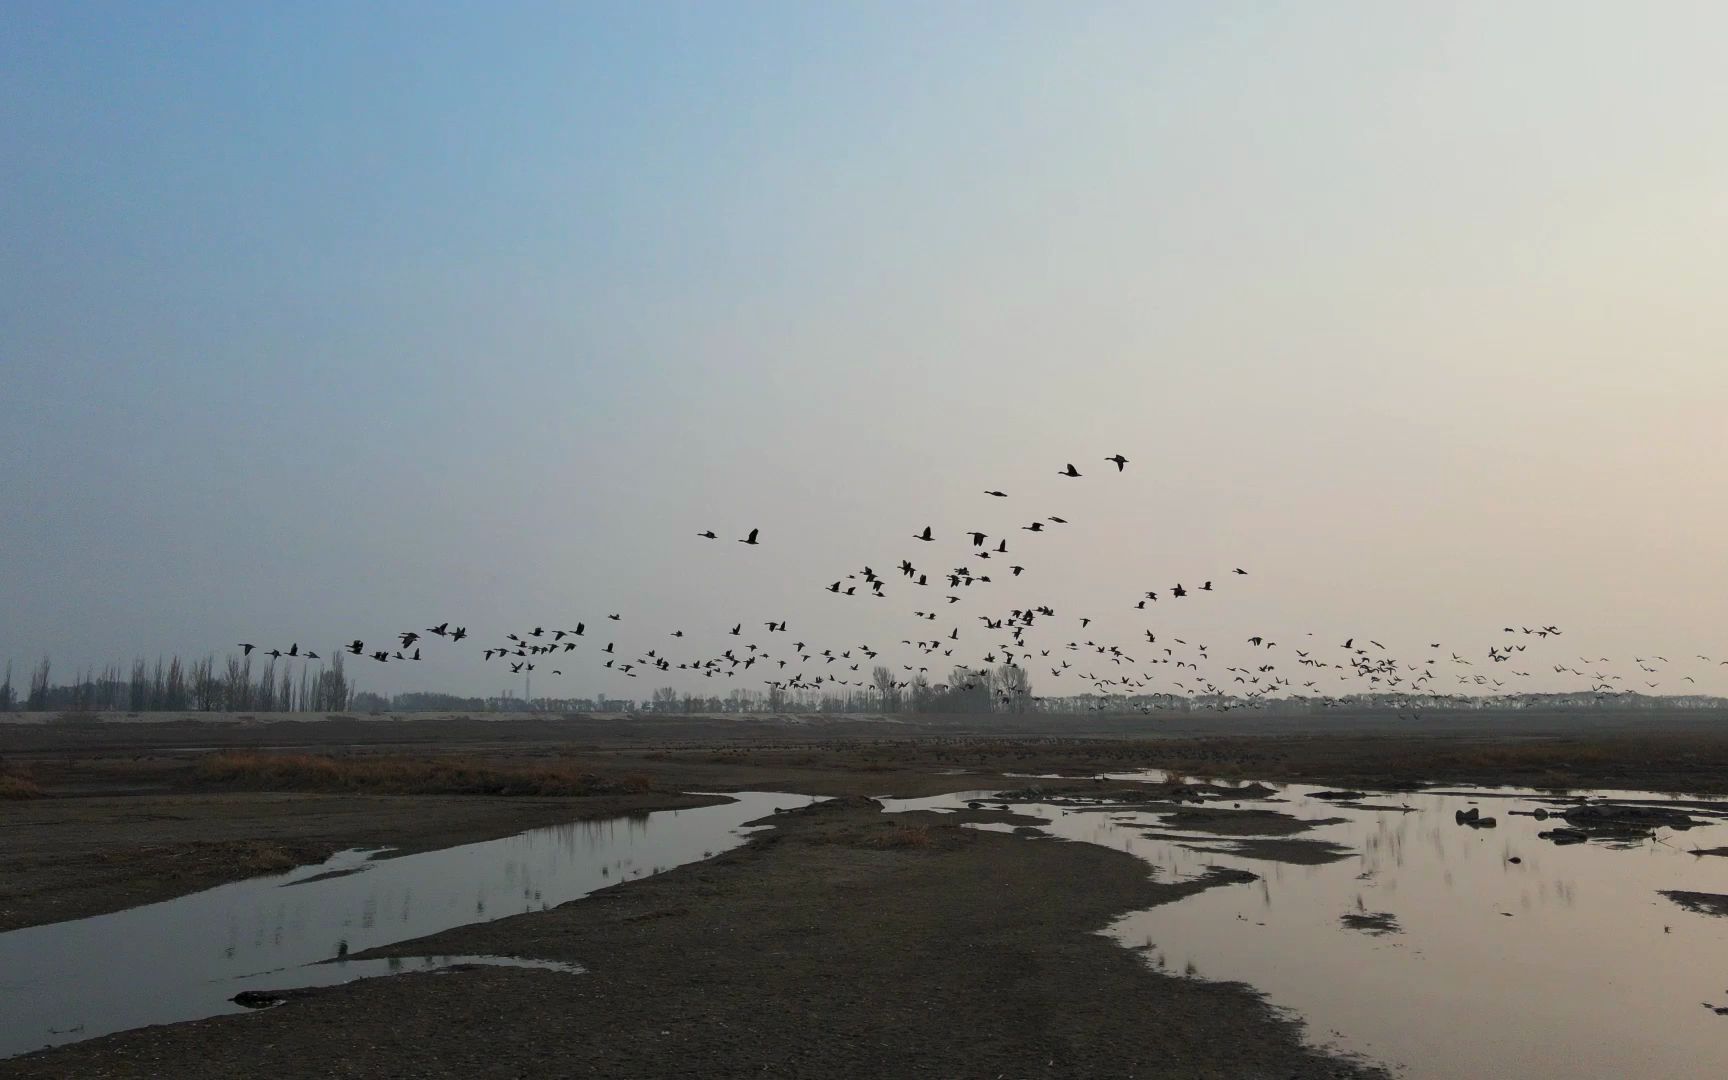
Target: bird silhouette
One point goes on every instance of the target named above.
(1121, 462)
(1069, 471)
(751, 539)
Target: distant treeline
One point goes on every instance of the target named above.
(236, 684)
(174, 685)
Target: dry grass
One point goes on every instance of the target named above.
(17, 782)
(902, 836)
(1668, 760)
(13, 787)
(405, 776)
(242, 857)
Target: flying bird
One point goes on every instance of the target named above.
(1121, 462)
(751, 539)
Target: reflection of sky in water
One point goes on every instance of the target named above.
(1568, 963)
(185, 958)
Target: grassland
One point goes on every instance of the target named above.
(394, 775)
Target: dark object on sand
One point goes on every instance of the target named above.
(1608, 820)
(1704, 903)
(258, 999)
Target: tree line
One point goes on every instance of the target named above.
(175, 685)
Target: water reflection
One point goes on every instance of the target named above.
(1512, 956)
(185, 958)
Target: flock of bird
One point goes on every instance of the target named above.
(1006, 645)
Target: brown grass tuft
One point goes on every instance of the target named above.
(404, 776)
(903, 836)
(16, 783)
(19, 787)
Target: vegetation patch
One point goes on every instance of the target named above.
(902, 836)
(16, 782)
(405, 776)
(14, 787)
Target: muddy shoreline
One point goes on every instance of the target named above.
(836, 944)
(826, 947)
(69, 858)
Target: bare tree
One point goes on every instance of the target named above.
(38, 699)
(174, 696)
(1013, 687)
(888, 696)
(237, 684)
(138, 696)
(206, 689)
(331, 691)
(919, 696)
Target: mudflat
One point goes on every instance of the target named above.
(839, 941)
(843, 942)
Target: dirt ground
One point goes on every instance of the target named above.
(828, 947)
(832, 945)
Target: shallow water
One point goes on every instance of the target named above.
(1567, 963)
(185, 958)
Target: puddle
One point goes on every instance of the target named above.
(1493, 952)
(185, 958)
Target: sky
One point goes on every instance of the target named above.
(327, 320)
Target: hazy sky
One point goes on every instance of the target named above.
(324, 320)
